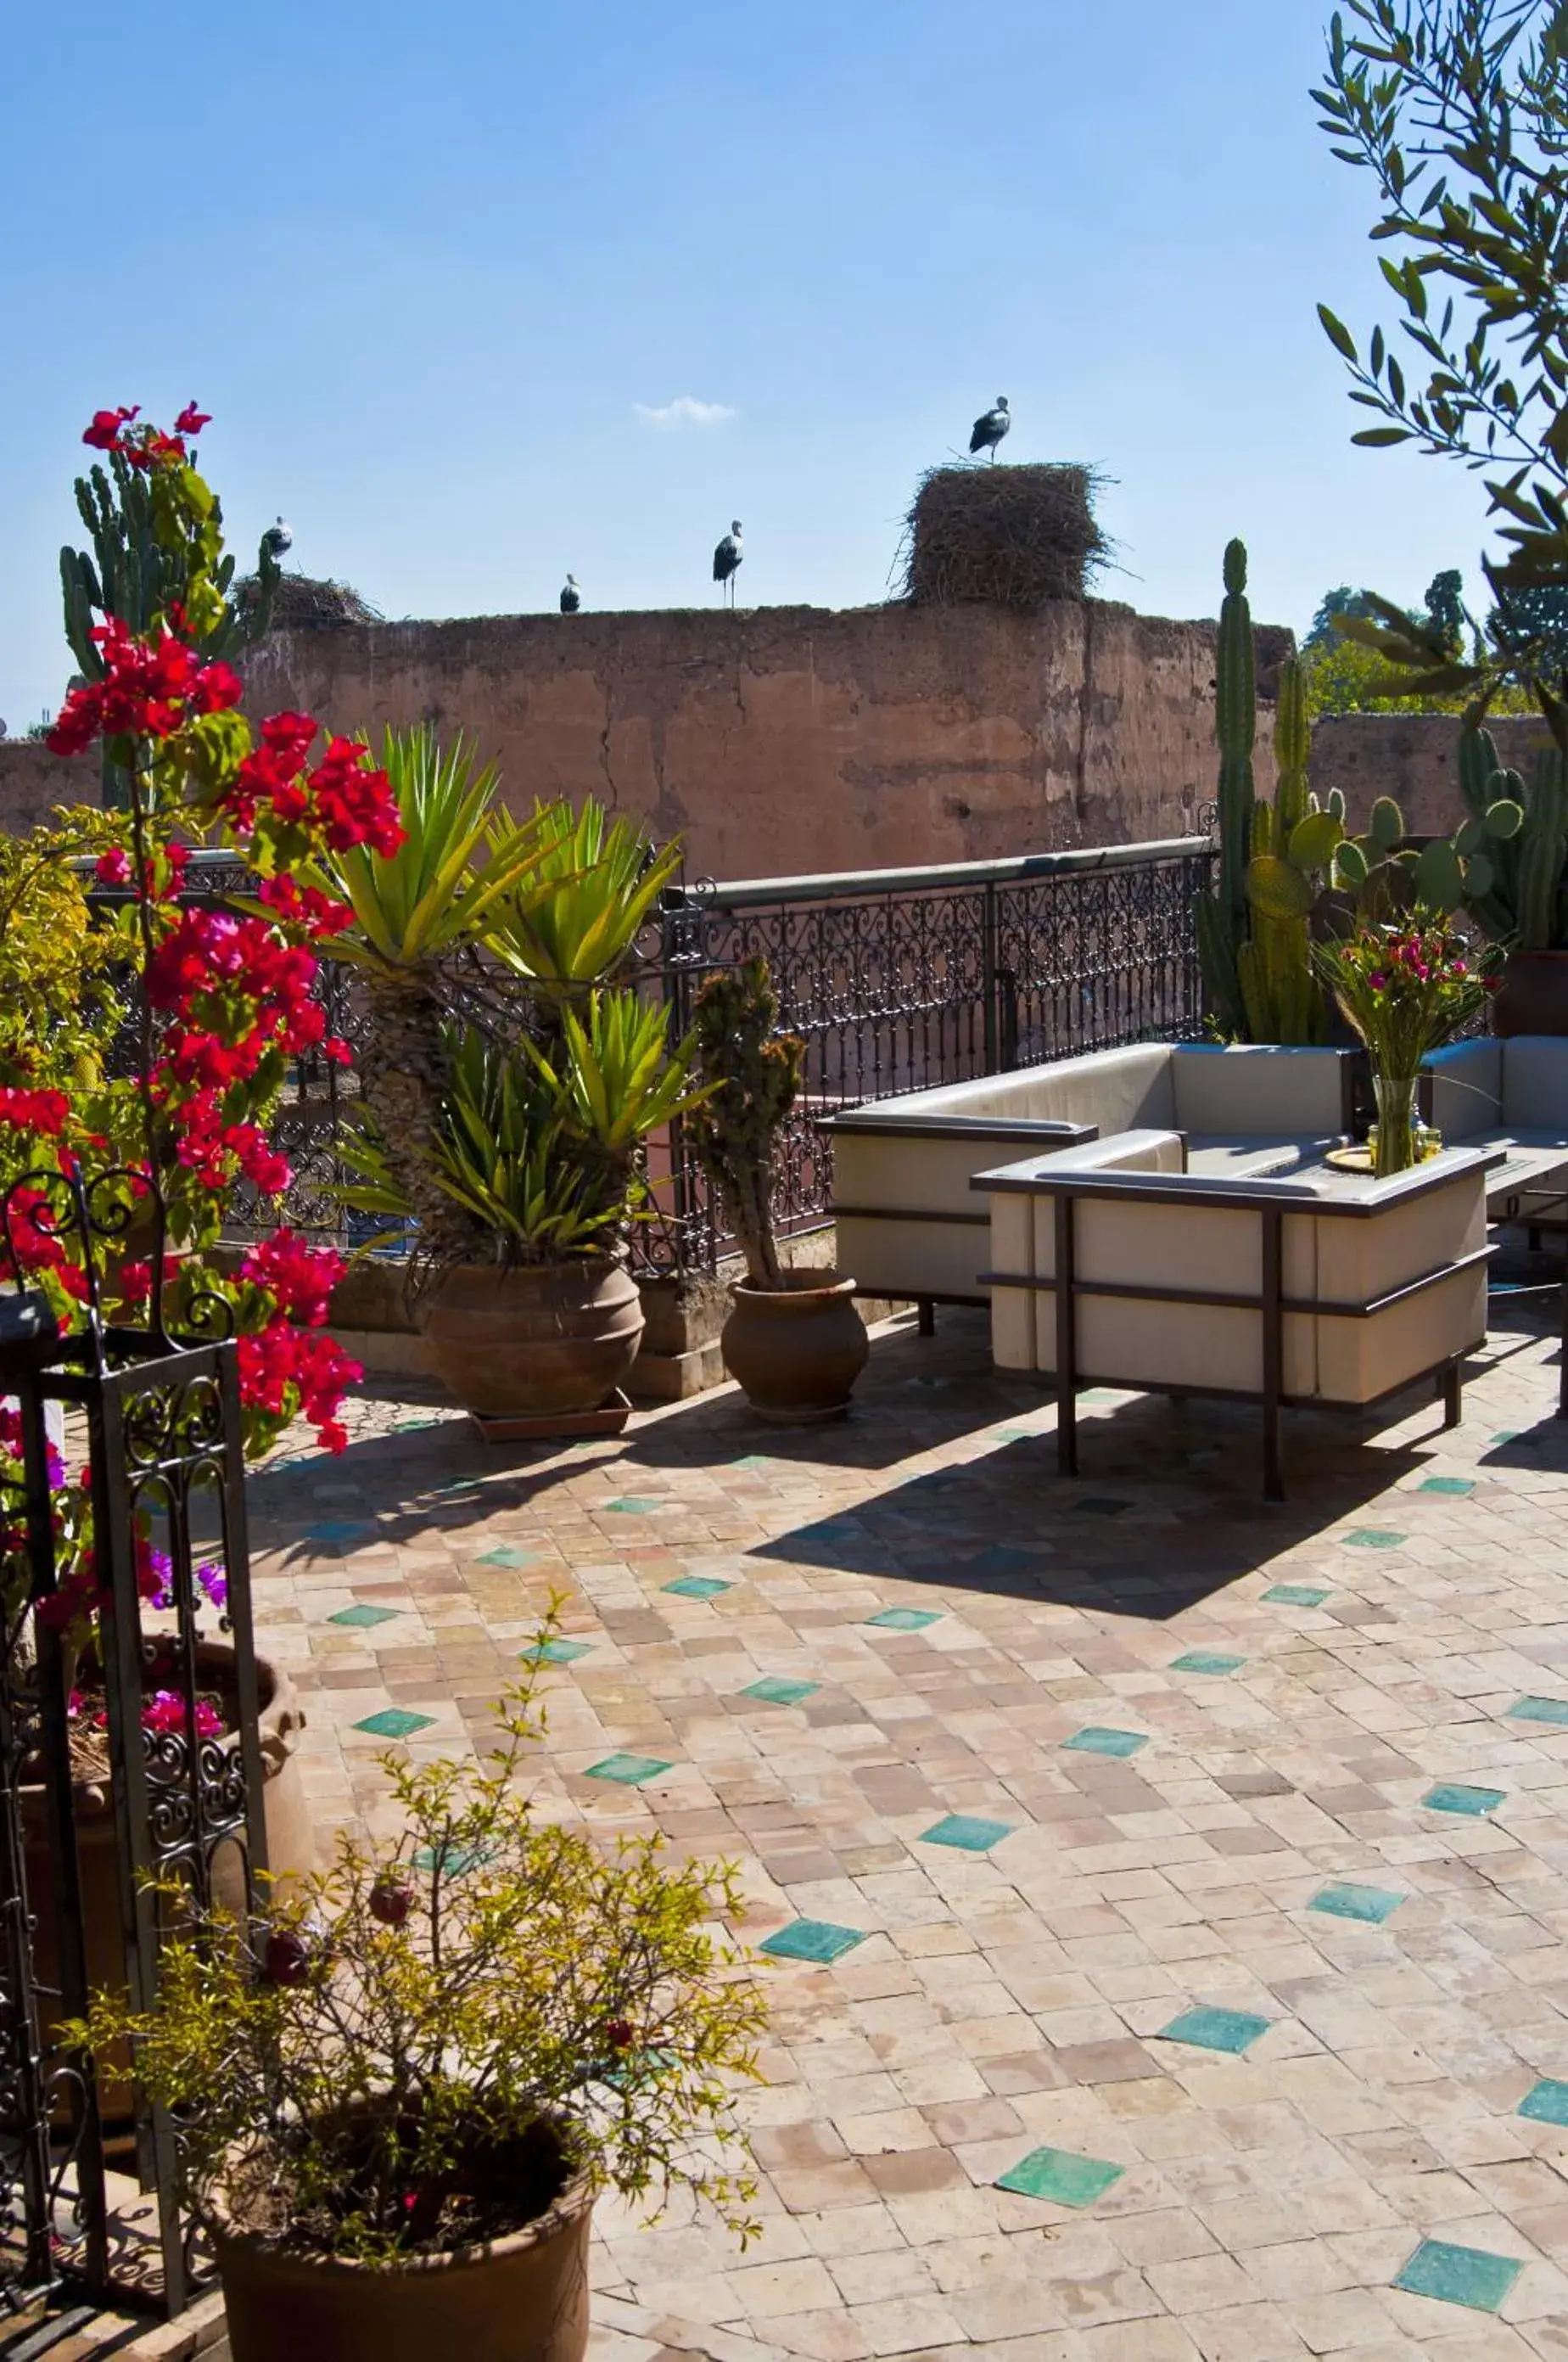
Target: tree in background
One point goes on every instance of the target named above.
(1324, 632)
(1459, 109)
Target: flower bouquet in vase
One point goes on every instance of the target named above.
(1405, 987)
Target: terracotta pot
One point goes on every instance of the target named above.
(539, 1342)
(796, 1349)
(290, 1848)
(520, 2299)
(1534, 995)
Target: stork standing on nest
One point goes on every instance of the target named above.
(726, 560)
(571, 597)
(990, 429)
(276, 541)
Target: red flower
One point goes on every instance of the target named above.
(191, 420)
(103, 435)
(136, 1282)
(114, 867)
(40, 1111)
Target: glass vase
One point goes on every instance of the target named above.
(1397, 1149)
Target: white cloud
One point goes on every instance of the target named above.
(684, 411)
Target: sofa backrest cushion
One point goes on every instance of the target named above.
(1467, 1088)
(1112, 1089)
(1258, 1090)
(1535, 1081)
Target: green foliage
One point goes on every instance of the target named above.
(1323, 633)
(572, 920)
(1521, 835)
(751, 1074)
(1459, 109)
(440, 893)
(352, 2078)
(157, 537)
(1346, 676)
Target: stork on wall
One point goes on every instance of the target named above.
(726, 559)
(276, 541)
(990, 429)
(571, 597)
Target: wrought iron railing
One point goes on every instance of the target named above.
(900, 978)
(894, 978)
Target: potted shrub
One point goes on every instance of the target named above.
(537, 1152)
(512, 1080)
(794, 1339)
(397, 2100)
(1405, 987)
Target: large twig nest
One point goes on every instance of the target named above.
(300, 603)
(1010, 536)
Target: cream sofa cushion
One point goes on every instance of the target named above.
(1535, 1083)
(1258, 1090)
(1467, 1088)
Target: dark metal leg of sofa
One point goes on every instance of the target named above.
(924, 1317)
(1067, 1430)
(1451, 1388)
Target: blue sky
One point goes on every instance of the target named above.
(426, 263)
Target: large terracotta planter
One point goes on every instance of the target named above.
(520, 2299)
(1534, 994)
(290, 1850)
(538, 1341)
(796, 1349)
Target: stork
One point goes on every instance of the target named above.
(571, 597)
(990, 429)
(276, 541)
(726, 559)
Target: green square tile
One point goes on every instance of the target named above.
(1061, 2178)
(395, 1722)
(557, 1652)
(905, 1620)
(817, 1940)
(414, 1426)
(753, 1460)
(696, 1586)
(1370, 1538)
(1457, 1485)
(1538, 1709)
(1371, 1904)
(1094, 1740)
(631, 1506)
(364, 1615)
(1233, 2030)
(1016, 1434)
(1450, 1796)
(629, 1771)
(338, 1529)
(1467, 2275)
(508, 1556)
(1546, 2103)
(771, 1690)
(969, 1833)
(1296, 1594)
(456, 1860)
(1206, 1661)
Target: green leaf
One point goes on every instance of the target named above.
(1379, 438)
(1339, 336)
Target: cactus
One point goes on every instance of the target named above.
(136, 572)
(1517, 841)
(752, 1076)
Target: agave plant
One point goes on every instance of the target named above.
(539, 1148)
(572, 923)
(416, 912)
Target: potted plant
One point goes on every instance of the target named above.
(537, 1152)
(794, 1339)
(398, 2099)
(511, 1081)
(1405, 987)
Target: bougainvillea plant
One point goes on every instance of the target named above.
(221, 1000)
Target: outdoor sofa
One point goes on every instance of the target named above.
(908, 1225)
(1117, 1263)
(1511, 1096)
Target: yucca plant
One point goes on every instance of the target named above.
(538, 1148)
(573, 921)
(415, 913)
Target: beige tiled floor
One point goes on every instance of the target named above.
(1012, 2000)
